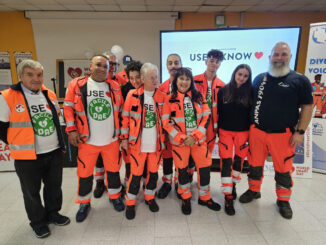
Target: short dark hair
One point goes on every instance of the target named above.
(215, 53)
(134, 65)
(174, 54)
(318, 75)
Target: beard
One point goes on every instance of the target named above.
(279, 71)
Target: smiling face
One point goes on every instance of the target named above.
(32, 79)
(212, 64)
(183, 83)
(134, 78)
(99, 68)
(280, 56)
(241, 77)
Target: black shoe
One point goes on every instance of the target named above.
(42, 231)
(58, 219)
(229, 208)
(152, 205)
(164, 190)
(285, 209)
(248, 196)
(83, 212)
(186, 206)
(234, 192)
(99, 189)
(118, 204)
(210, 204)
(130, 212)
(176, 191)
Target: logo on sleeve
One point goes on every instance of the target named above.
(99, 109)
(19, 108)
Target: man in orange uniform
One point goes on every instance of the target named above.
(318, 93)
(30, 125)
(142, 133)
(99, 169)
(173, 63)
(208, 84)
(278, 126)
(91, 109)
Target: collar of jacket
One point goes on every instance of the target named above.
(18, 87)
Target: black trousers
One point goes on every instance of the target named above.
(47, 168)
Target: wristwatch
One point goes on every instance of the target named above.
(300, 131)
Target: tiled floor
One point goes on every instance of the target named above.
(255, 223)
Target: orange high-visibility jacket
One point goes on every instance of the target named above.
(174, 118)
(75, 106)
(201, 85)
(165, 87)
(133, 116)
(122, 78)
(20, 133)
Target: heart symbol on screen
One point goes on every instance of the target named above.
(74, 72)
(47, 106)
(107, 94)
(258, 55)
(43, 123)
(98, 108)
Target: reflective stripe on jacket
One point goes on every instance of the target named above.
(75, 106)
(20, 134)
(133, 116)
(174, 122)
(201, 85)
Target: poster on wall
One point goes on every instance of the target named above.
(20, 56)
(75, 68)
(6, 162)
(316, 72)
(5, 71)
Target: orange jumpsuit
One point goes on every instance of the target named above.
(133, 120)
(174, 123)
(318, 92)
(76, 120)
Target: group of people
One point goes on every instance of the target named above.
(109, 118)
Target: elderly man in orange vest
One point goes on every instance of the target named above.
(30, 124)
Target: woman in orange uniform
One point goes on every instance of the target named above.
(185, 118)
(234, 104)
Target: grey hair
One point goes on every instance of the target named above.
(28, 63)
(146, 67)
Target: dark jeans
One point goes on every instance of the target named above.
(47, 168)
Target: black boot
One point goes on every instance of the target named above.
(186, 206)
(130, 212)
(164, 191)
(248, 196)
(285, 209)
(229, 208)
(99, 189)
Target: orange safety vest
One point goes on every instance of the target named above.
(174, 122)
(75, 106)
(20, 134)
(201, 85)
(121, 78)
(133, 116)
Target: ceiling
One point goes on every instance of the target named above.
(164, 5)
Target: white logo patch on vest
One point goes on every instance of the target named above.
(19, 108)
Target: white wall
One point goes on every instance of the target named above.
(69, 38)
